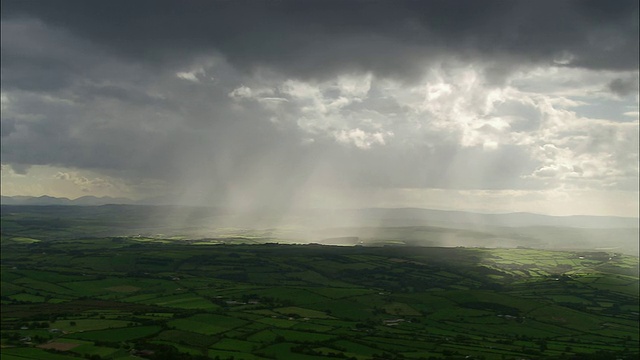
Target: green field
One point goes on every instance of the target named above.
(120, 297)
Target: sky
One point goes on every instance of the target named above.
(491, 106)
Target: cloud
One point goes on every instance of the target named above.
(254, 103)
(241, 92)
(361, 139)
(7, 126)
(192, 75)
(320, 38)
(85, 184)
(20, 169)
(624, 87)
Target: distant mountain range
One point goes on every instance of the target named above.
(413, 216)
(49, 200)
(373, 217)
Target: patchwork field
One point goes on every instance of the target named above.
(132, 298)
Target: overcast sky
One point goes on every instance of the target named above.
(495, 106)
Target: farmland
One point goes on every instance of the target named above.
(126, 297)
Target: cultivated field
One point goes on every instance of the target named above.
(159, 298)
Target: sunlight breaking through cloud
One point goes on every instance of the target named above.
(286, 108)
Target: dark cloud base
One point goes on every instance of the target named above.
(315, 38)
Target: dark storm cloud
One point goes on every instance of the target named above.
(314, 38)
(119, 93)
(168, 90)
(624, 87)
(7, 126)
(44, 67)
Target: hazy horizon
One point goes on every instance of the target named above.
(482, 106)
(441, 214)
